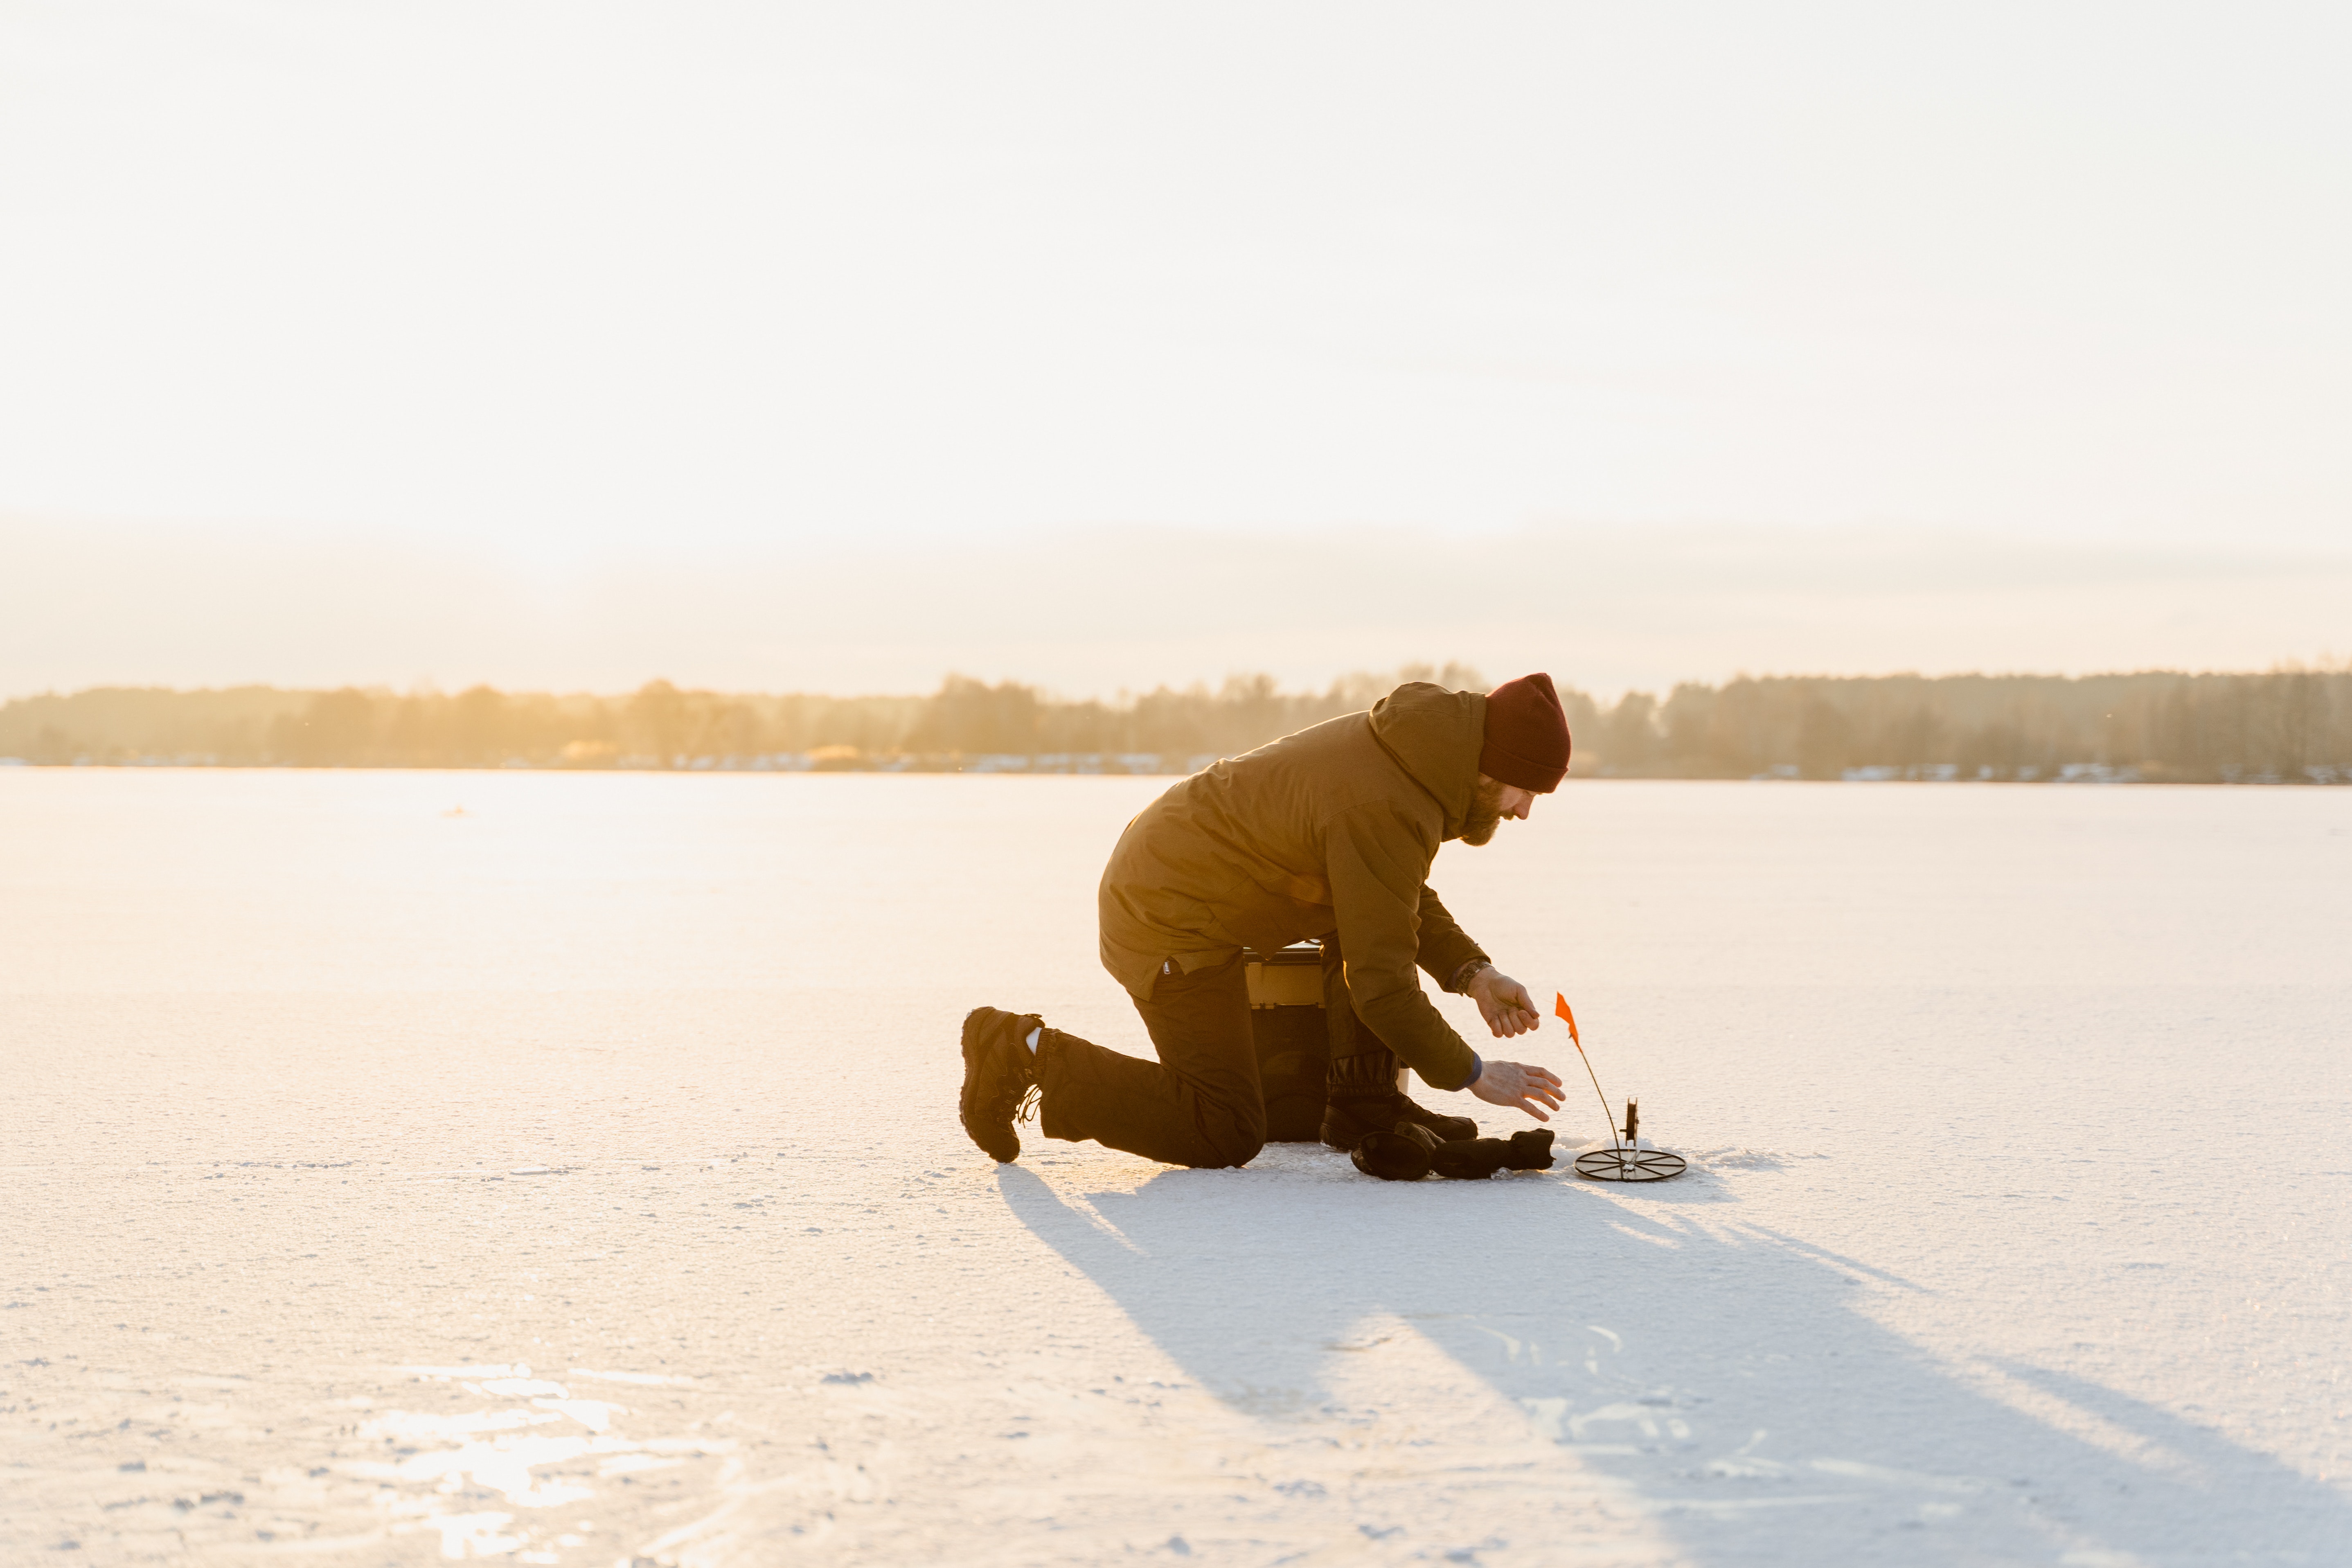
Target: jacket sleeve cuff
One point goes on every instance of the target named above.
(1474, 956)
(1478, 1069)
(1441, 962)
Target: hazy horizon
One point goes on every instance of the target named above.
(2284, 727)
(1087, 612)
(1352, 679)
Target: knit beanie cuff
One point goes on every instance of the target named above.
(1526, 773)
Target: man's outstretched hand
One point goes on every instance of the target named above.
(1508, 1010)
(1519, 1087)
(1504, 1003)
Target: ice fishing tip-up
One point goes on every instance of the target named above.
(1624, 1160)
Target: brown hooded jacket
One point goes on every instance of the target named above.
(1331, 829)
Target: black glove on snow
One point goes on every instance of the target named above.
(1403, 1155)
(1412, 1152)
(1476, 1159)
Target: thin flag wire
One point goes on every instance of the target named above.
(1626, 1162)
(1563, 1009)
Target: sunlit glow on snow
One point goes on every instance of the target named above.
(446, 1461)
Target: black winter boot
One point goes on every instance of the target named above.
(999, 1075)
(1403, 1155)
(1361, 1096)
(1363, 1075)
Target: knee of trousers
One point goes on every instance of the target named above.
(1231, 1153)
(1234, 1141)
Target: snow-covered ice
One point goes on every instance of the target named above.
(577, 1180)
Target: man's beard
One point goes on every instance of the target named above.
(1485, 813)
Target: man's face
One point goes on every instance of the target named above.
(1494, 801)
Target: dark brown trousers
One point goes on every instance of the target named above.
(1200, 1104)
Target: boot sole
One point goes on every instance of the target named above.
(974, 1043)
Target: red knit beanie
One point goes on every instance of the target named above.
(1526, 735)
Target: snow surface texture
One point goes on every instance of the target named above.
(575, 1178)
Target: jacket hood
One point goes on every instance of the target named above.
(1436, 735)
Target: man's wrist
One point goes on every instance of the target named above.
(1470, 971)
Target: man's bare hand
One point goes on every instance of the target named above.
(1519, 1087)
(1504, 1003)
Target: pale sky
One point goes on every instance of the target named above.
(837, 346)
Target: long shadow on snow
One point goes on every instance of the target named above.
(1723, 1372)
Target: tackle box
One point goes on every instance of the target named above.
(1292, 1037)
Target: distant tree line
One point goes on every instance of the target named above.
(2289, 725)
(662, 726)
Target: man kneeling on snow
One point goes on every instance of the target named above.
(1327, 832)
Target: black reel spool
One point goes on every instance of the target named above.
(1627, 1161)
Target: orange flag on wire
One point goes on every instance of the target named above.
(1563, 1012)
